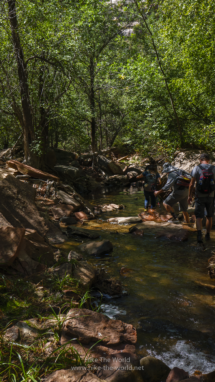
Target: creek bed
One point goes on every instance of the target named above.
(173, 313)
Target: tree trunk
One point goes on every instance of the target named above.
(23, 79)
(92, 106)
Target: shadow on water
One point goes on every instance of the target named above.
(173, 314)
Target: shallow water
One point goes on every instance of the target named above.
(173, 314)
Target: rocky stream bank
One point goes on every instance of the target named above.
(51, 327)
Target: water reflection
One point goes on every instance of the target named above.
(173, 314)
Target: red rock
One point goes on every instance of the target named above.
(17, 206)
(11, 240)
(37, 249)
(108, 342)
(61, 210)
(177, 375)
(72, 376)
(33, 172)
(110, 332)
(81, 216)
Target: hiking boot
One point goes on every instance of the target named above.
(207, 236)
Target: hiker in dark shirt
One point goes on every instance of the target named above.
(204, 177)
(179, 193)
(151, 178)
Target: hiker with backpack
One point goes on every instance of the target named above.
(151, 178)
(204, 177)
(179, 181)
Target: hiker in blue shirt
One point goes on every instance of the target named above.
(151, 178)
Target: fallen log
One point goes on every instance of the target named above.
(28, 170)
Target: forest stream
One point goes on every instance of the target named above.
(166, 300)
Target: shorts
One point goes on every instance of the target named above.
(172, 199)
(204, 202)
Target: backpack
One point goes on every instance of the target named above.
(151, 181)
(183, 179)
(205, 183)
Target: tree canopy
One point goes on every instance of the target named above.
(90, 74)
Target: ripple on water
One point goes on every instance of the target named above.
(112, 311)
(185, 356)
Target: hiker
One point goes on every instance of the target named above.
(151, 178)
(203, 175)
(179, 180)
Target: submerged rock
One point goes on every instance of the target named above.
(81, 232)
(154, 369)
(96, 248)
(175, 235)
(177, 375)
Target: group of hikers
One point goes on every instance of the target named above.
(201, 183)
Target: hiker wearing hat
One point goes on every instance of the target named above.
(179, 181)
(151, 178)
(204, 177)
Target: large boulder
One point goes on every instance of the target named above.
(31, 171)
(96, 248)
(79, 374)
(37, 248)
(108, 166)
(64, 156)
(154, 370)
(17, 207)
(34, 255)
(115, 168)
(89, 326)
(68, 199)
(84, 273)
(68, 172)
(108, 343)
(11, 240)
(54, 234)
(188, 159)
(61, 210)
(81, 271)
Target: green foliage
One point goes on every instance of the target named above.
(154, 86)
